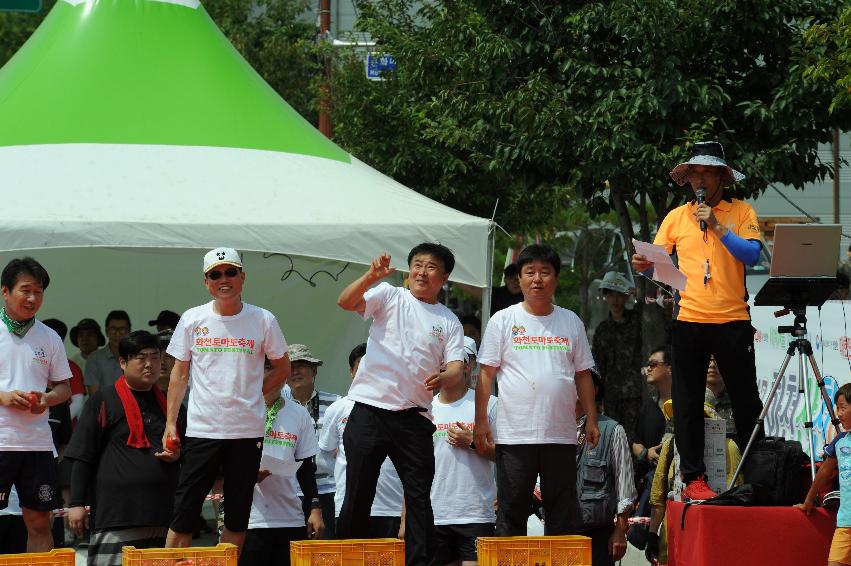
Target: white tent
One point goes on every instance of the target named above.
(135, 124)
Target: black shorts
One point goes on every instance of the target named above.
(35, 478)
(203, 458)
(458, 542)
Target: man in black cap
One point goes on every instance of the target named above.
(714, 238)
(166, 320)
(87, 337)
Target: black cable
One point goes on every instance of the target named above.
(844, 334)
(821, 336)
(308, 280)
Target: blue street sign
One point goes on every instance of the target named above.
(378, 65)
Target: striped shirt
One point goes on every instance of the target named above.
(622, 466)
(316, 406)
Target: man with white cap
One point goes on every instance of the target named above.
(464, 486)
(617, 351)
(714, 238)
(222, 346)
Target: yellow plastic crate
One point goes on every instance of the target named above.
(58, 556)
(534, 551)
(354, 552)
(222, 555)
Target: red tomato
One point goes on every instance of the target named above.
(172, 444)
(32, 397)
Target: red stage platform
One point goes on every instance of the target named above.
(745, 536)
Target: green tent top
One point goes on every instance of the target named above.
(156, 72)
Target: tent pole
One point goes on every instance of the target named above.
(486, 293)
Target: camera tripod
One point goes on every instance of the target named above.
(804, 349)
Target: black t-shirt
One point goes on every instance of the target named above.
(650, 425)
(501, 298)
(132, 488)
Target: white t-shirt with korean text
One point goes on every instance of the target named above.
(409, 340)
(388, 490)
(29, 364)
(464, 486)
(537, 358)
(226, 355)
(276, 502)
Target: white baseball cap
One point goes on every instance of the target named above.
(221, 256)
(469, 348)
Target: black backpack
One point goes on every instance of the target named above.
(739, 496)
(775, 467)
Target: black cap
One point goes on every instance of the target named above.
(57, 325)
(166, 318)
(87, 324)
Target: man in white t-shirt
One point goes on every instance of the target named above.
(416, 345)
(386, 513)
(540, 356)
(222, 346)
(289, 448)
(464, 487)
(31, 358)
(301, 388)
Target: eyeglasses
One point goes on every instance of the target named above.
(230, 272)
(653, 363)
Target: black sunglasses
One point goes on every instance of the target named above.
(230, 272)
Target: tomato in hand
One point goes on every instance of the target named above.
(32, 397)
(172, 444)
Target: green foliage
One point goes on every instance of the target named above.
(271, 35)
(547, 104)
(275, 39)
(16, 27)
(828, 57)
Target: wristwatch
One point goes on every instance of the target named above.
(314, 503)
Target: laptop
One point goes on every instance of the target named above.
(805, 250)
(803, 265)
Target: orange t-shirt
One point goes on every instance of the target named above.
(722, 297)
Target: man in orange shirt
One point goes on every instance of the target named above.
(713, 237)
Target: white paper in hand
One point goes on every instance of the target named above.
(664, 269)
(278, 467)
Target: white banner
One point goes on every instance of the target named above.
(828, 333)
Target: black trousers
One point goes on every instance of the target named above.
(371, 435)
(269, 547)
(517, 468)
(692, 344)
(600, 545)
(381, 527)
(326, 500)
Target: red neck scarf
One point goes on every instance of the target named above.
(137, 438)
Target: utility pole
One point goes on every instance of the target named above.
(325, 88)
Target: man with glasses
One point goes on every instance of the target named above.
(222, 346)
(102, 368)
(120, 466)
(651, 424)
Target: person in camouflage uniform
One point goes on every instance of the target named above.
(617, 353)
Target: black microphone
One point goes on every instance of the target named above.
(700, 193)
